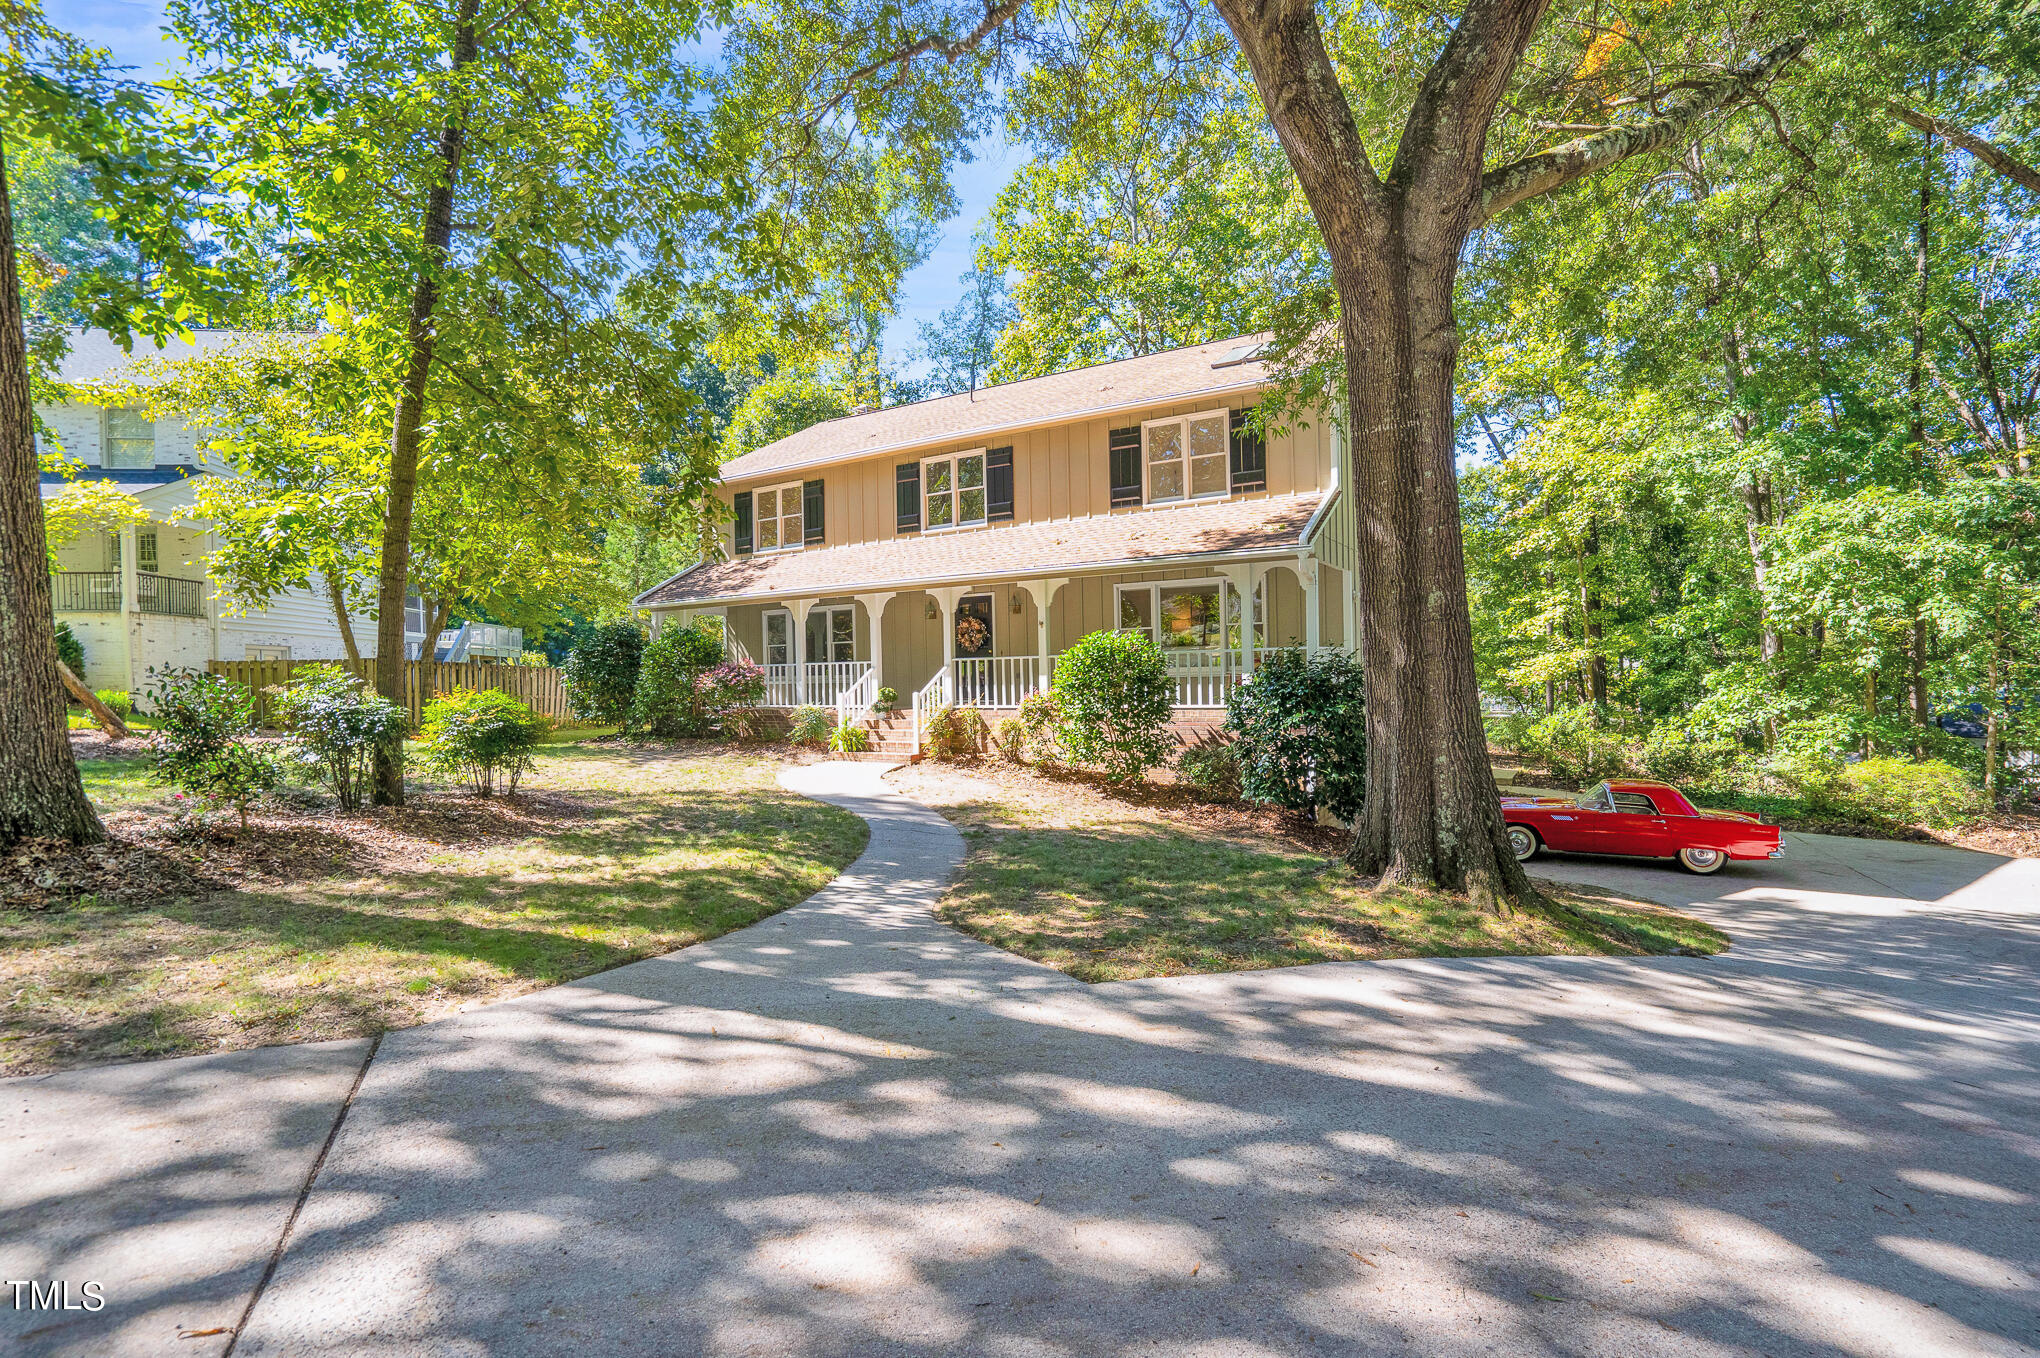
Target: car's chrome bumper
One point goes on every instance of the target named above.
(1778, 852)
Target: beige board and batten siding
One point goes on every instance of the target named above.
(1060, 471)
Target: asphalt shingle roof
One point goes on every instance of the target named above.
(1179, 374)
(1135, 538)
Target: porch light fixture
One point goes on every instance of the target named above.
(1013, 602)
(933, 612)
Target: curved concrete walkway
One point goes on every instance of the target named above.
(850, 1130)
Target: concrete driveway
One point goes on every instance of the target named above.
(849, 1130)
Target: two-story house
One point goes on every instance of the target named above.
(141, 597)
(951, 548)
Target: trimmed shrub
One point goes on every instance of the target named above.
(601, 674)
(1300, 732)
(1212, 768)
(1899, 792)
(119, 699)
(70, 650)
(848, 739)
(482, 736)
(335, 724)
(1113, 693)
(957, 732)
(811, 726)
(1039, 717)
(201, 745)
(668, 701)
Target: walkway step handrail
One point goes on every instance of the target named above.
(931, 694)
(853, 702)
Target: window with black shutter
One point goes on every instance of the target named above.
(907, 497)
(742, 504)
(812, 527)
(998, 484)
(1249, 453)
(1125, 456)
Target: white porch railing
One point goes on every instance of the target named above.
(853, 702)
(826, 680)
(779, 685)
(999, 680)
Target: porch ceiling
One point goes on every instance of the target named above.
(1135, 539)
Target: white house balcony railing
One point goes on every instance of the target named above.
(1204, 677)
(166, 596)
(825, 681)
(853, 702)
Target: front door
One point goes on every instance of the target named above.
(973, 626)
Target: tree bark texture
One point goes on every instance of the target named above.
(1432, 816)
(420, 337)
(41, 795)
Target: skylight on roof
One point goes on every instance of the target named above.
(1243, 354)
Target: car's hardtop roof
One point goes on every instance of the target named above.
(1640, 785)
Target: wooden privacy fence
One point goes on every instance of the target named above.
(538, 687)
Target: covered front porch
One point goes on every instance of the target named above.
(990, 643)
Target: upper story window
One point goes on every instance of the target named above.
(146, 559)
(130, 439)
(779, 517)
(953, 490)
(1187, 458)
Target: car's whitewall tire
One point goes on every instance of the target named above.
(1702, 861)
(1523, 842)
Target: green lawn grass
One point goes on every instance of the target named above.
(1111, 892)
(638, 853)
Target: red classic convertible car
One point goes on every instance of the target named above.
(1639, 819)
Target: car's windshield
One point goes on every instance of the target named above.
(1597, 800)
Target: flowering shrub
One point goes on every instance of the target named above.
(726, 689)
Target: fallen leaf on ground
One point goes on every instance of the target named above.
(201, 1334)
(1363, 1259)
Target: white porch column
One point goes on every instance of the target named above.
(945, 603)
(130, 602)
(1043, 593)
(1313, 626)
(800, 609)
(874, 614)
(1240, 580)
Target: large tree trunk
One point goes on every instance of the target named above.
(420, 337)
(41, 795)
(1590, 615)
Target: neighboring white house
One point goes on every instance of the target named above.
(142, 597)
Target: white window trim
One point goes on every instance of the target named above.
(778, 493)
(954, 523)
(106, 437)
(765, 634)
(827, 612)
(1183, 421)
(1257, 597)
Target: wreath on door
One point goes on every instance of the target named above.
(972, 634)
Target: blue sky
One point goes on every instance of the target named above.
(132, 31)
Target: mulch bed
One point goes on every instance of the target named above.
(1168, 800)
(144, 858)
